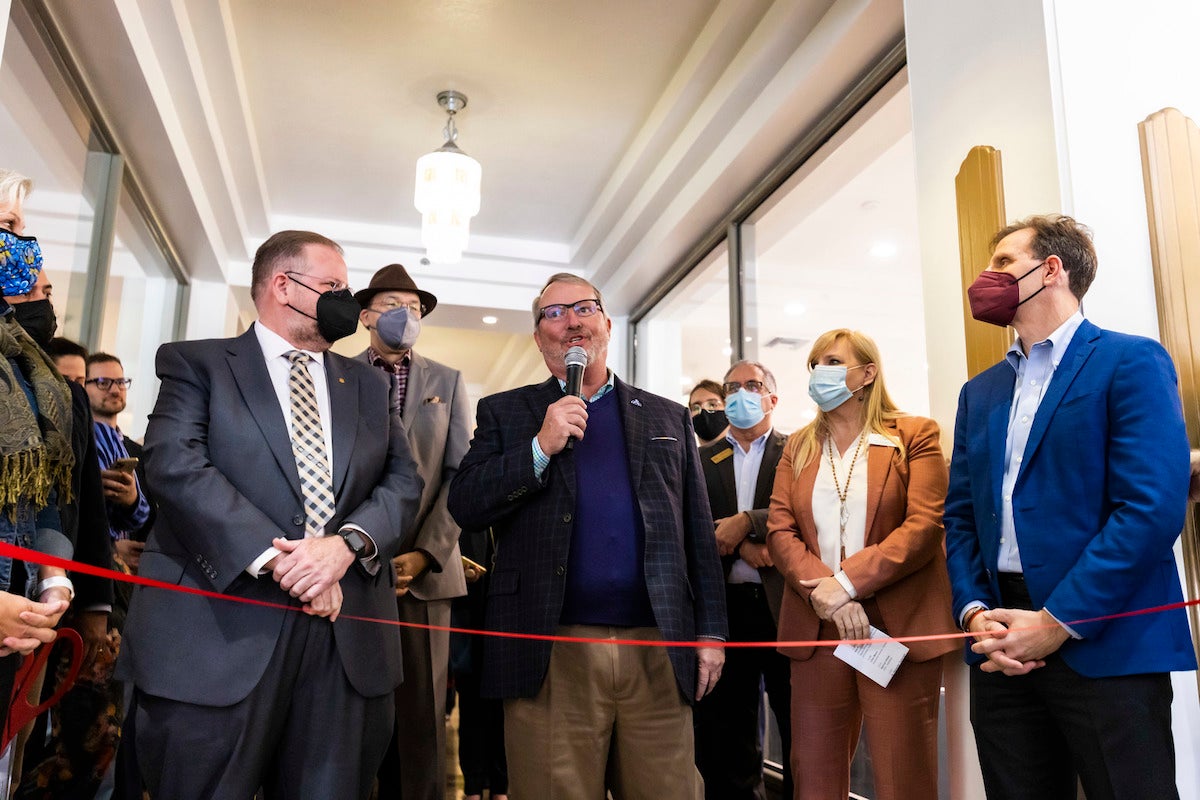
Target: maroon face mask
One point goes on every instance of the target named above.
(995, 296)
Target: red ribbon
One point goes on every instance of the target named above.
(34, 557)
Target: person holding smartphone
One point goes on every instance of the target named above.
(128, 506)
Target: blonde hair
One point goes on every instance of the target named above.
(878, 409)
(14, 187)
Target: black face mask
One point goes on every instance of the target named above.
(38, 320)
(709, 424)
(337, 313)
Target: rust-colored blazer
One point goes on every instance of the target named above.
(903, 562)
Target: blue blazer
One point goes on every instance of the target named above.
(1098, 503)
(495, 487)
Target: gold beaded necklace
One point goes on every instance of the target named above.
(844, 512)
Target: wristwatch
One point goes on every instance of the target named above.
(355, 541)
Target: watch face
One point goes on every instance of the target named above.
(355, 540)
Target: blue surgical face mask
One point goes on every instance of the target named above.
(20, 263)
(398, 328)
(744, 409)
(827, 386)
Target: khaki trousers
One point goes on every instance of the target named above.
(607, 717)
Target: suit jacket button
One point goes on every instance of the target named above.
(298, 519)
(560, 570)
(567, 517)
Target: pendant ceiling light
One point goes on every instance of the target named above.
(447, 192)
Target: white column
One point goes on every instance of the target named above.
(1059, 87)
(212, 311)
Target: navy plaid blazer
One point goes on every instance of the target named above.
(495, 486)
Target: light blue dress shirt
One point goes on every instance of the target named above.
(746, 465)
(540, 460)
(1034, 374)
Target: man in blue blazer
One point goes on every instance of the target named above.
(603, 531)
(1068, 488)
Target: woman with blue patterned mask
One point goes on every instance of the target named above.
(35, 453)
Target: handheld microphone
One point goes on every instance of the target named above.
(576, 360)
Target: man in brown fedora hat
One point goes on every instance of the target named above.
(432, 400)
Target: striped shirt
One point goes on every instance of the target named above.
(110, 445)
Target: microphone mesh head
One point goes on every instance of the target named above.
(576, 356)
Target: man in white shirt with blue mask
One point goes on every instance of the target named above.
(739, 469)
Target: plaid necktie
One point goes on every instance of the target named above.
(308, 446)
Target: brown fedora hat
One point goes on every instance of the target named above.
(394, 278)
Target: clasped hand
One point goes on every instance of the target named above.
(309, 570)
(832, 602)
(1016, 652)
(730, 532)
(25, 624)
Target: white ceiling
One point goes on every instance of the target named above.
(556, 92)
(613, 135)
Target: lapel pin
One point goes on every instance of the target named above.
(341, 380)
(635, 402)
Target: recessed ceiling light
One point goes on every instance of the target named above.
(726, 350)
(794, 309)
(884, 249)
(490, 320)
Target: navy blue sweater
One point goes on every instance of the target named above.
(606, 576)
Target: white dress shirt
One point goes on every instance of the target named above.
(827, 506)
(274, 347)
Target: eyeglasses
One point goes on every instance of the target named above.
(104, 384)
(391, 305)
(583, 309)
(757, 387)
(707, 405)
(326, 284)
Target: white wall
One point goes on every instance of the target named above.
(1059, 87)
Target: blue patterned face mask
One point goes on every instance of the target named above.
(20, 263)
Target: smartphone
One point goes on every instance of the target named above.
(125, 464)
(470, 565)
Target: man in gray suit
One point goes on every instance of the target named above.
(282, 479)
(432, 400)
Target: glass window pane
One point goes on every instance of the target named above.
(141, 299)
(838, 249)
(44, 136)
(685, 338)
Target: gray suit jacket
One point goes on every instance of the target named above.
(218, 453)
(437, 414)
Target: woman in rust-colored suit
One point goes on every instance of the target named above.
(855, 528)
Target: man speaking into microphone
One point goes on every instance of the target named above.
(594, 492)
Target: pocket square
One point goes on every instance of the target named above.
(663, 439)
(434, 399)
